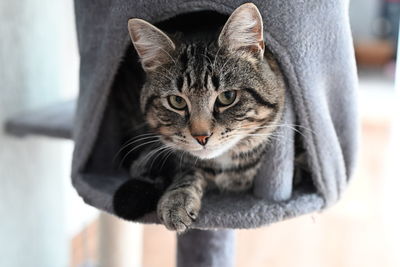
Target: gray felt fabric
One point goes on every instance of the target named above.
(219, 248)
(312, 42)
(55, 120)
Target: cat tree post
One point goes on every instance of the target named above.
(206, 248)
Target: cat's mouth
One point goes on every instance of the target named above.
(209, 151)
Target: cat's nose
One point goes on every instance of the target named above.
(202, 139)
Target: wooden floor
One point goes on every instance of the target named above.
(361, 230)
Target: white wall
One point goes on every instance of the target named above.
(363, 18)
(38, 65)
(39, 209)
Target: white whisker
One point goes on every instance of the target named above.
(169, 153)
(151, 154)
(136, 147)
(165, 150)
(133, 140)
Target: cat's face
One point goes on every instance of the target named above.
(208, 98)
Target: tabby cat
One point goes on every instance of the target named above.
(217, 96)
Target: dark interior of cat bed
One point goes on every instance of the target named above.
(134, 197)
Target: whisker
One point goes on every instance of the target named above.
(282, 125)
(141, 135)
(294, 126)
(258, 135)
(136, 147)
(139, 138)
(269, 136)
(150, 154)
(160, 152)
(169, 153)
(131, 141)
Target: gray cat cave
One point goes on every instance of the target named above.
(311, 41)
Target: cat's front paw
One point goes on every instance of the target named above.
(178, 209)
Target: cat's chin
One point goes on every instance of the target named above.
(215, 151)
(208, 153)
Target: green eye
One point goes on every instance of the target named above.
(177, 102)
(226, 98)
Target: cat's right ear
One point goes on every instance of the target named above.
(152, 45)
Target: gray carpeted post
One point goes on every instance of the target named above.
(206, 248)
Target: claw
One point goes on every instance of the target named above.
(192, 216)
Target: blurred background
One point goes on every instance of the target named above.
(44, 223)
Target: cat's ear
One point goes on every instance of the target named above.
(243, 32)
(152, 45)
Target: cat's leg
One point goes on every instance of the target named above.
(181, 202)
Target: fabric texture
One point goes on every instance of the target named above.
(56, 120)
(311, 41)
(218, 248)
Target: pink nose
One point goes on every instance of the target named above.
(201, 139)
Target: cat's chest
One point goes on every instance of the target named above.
(221, 164)
(225, 161)
(231, 172)
(233, 161)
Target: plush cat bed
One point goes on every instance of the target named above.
(311, 41)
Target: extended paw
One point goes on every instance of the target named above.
(178, 209)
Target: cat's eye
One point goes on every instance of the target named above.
(177, 102)
(226, 98)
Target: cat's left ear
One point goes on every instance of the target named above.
(243, 32)
(152, 45)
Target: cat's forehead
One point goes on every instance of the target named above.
(203, 61)
(201, 69)
(195, 69)
(195, 57)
